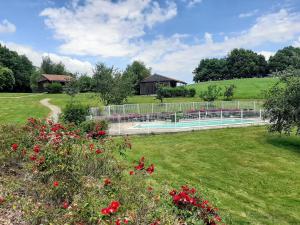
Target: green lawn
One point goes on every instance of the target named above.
(250, 88)
(254, 177)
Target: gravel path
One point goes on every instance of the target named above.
(55, 110)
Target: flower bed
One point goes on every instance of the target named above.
(58, 174)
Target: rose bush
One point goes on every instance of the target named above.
(65, 175)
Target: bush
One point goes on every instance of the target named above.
(170, 92)
(75, 113)
(95, 128)
(74, 179)
(229, 92)
(55, 88)
(211, 94)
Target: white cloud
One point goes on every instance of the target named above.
(7, 27)
(267, 54)
(72, 65)
(105, 28)
(192, 3)
(297, 43)
(248, 14)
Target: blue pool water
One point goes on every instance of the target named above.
(195, 123)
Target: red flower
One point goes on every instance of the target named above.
(92, 146)
(55, 183)
(131, 172)
(65, 204)
(36, 148)
(118, 222)
(99, 151)
(101, 132)
(126, 221)
(150, 169)
(150, 189)
(14, 147)
(32, 157)
(2, 200)
(157, 222)
(107, 182)
(173, 192)
(42, 160)
(112, 208)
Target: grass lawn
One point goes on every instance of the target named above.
(252, 176)
(250, 88)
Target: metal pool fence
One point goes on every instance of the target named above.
(151, 108)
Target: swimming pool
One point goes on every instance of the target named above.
(194, 123)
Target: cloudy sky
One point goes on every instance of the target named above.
(170, 36)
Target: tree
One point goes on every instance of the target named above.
(49, 67)
(282, 105)
(20, 65)
(112, 86)
(85, 83)
(244, 63)
(229, 92)
(211, 94)
(211, 69)
(160, 93)
(136, 72)
(7, 80)
(284, 58)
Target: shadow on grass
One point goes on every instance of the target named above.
(291, 143)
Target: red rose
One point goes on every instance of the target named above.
(118, 222)
(99, 151)
(131, 172)
(101, 132)
(150, 169)
(55, 183)
(65, 204)
(32, 157)
(107, 181)
(36, 148)
(14, 146)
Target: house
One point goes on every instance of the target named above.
(47, 79)
(148, 86)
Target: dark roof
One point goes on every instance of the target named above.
(55, 77)
(159, 78)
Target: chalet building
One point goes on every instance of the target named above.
(148, 86)
(47, 79)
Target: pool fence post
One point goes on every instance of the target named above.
(152, 108)
(166, 107)
(221, 114)
(238, 103)
(119, 119)
(260, 114)
(254, 105)
(148, 123)
(242, 114)
(199, 115)
(138, 108)
(206, 105)
(109, 110)
(124, 110)
(222, 105)
(193, 105)
(175, 119)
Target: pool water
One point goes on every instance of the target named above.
(194, 123)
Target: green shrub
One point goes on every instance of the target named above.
(55, 88)
(170, 92)
(75, 113)
(229, 92)
(211, 94)
(192, 92)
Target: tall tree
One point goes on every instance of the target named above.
(211, 69)
(7, 80)
(20, 65)
(284, 58)
(244, 63)
(50, 67)
(85, 83)
(136, 72)
(112, 86)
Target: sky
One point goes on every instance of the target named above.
(170, 36)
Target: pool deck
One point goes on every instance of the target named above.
(129, 128)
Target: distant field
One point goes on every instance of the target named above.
(250, 88)
(16, 110)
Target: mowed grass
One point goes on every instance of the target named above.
(250, 88)
(252, 176)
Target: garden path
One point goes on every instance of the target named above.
(55, 110)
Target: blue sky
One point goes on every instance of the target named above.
(169, 36)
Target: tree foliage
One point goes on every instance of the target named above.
(85, 83)
(284, 58)
(282, 104)
(50, 67)
(211, 94)
(136, 72)
(20, 65)
(229, 92)
(113, 87)
(7, 80)
(240, 63)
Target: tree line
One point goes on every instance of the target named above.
(243, 63)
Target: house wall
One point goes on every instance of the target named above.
(150, 88)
